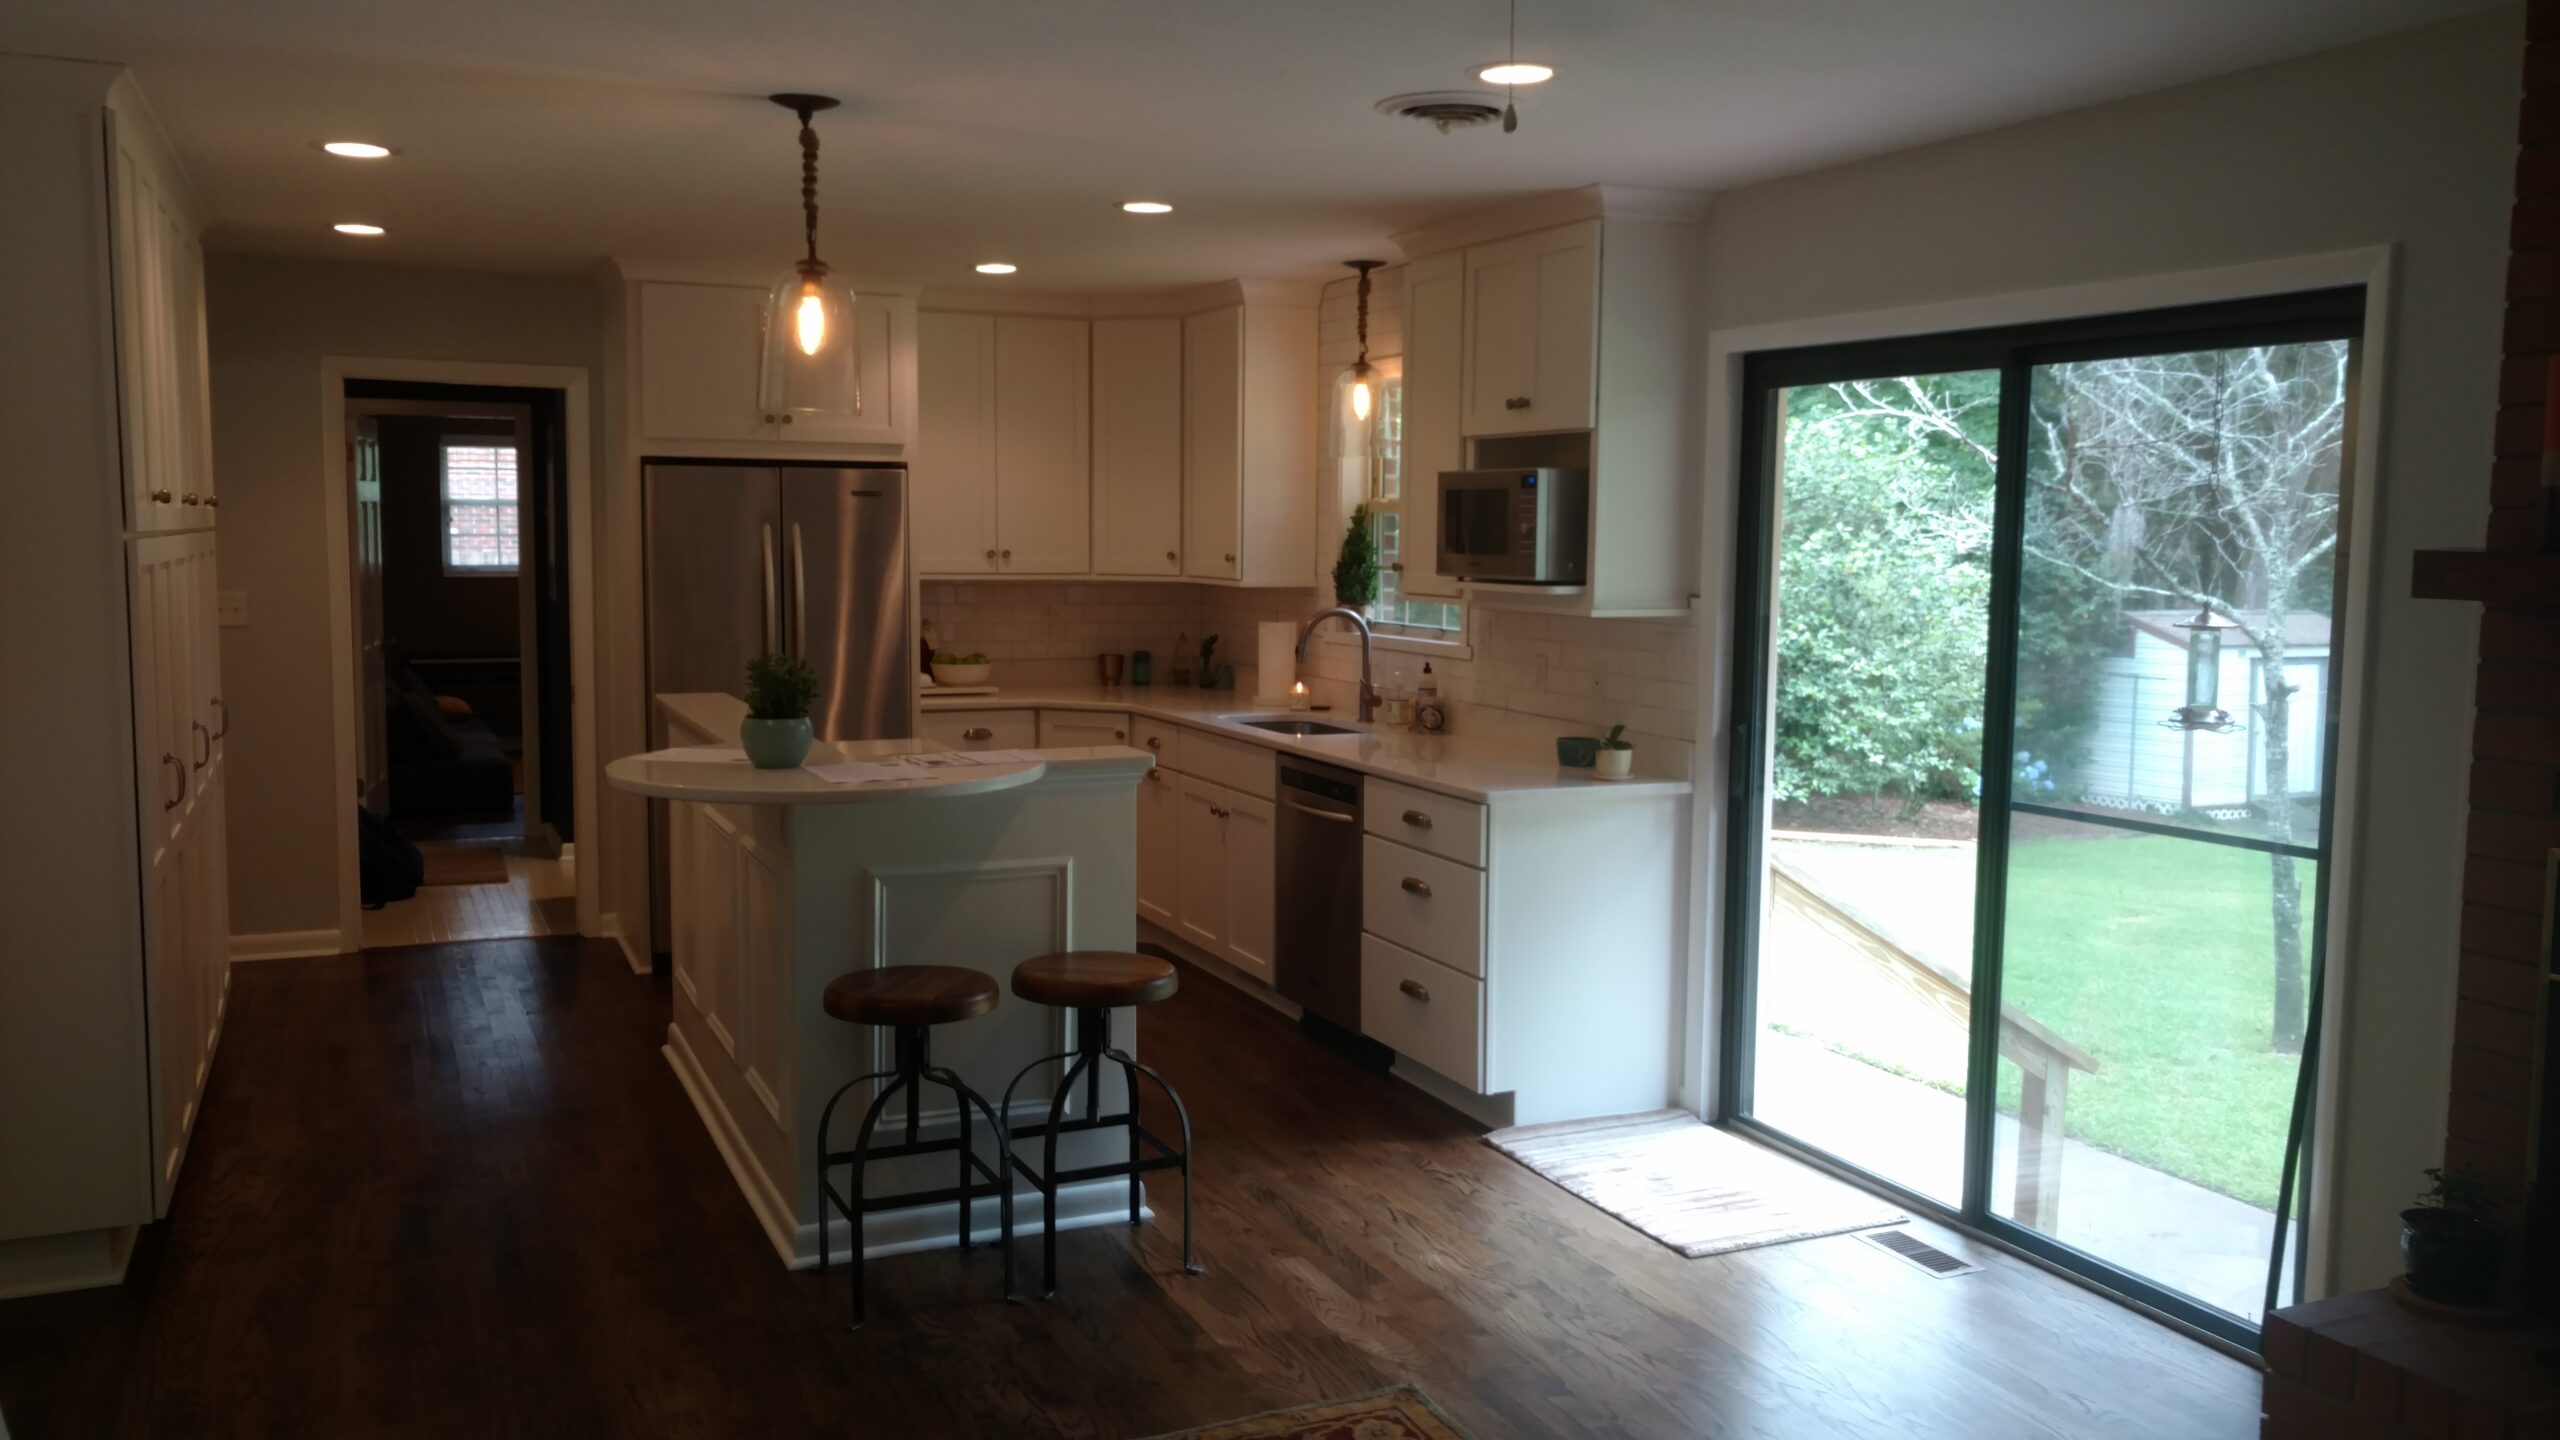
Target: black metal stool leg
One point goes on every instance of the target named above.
(1181, 1115)
(1049, 1171)
(861, 1152)
(825, 1117)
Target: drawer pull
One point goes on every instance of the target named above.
(1119, 734)
(224, 712)
(1417, 887)
(1417, 820)
(977, 732)
(1155, 742)
(1416, 989)
(1218, 810)
(172, 762)
(204, 743)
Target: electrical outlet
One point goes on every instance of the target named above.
(231, 608)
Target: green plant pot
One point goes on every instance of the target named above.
(775, 744)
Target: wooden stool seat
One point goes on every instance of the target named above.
(909, 995)
(1090, 979)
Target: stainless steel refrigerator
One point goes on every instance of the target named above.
(806, 560)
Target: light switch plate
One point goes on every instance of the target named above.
(231, 608)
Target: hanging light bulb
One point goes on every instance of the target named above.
(809, 359)
(1357, 387)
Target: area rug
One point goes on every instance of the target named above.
(1403, 1413)
(464, 864)
(1689, 1185)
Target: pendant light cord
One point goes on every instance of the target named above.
(1511, 84)
(809, 185)
(1364, 312)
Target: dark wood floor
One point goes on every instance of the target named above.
(454, 1191)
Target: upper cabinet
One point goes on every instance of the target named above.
(160, 357)
(952, 494)
(1002, 484)
(1249, 443)
(1434, 421)
(1137, 446)
(700, 361)
(1532, 320)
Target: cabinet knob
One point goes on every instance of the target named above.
(1155, 742)
(991, 557)
(1417, 887)
(159, 497)
(1417, 819)
(1170, 556)
(786, 419)
(1416, 989)
(1156, 776)
(191, 498)
(977, 732)
(1119, 734)
(1231, 559)
(212, 500)
(1008, 554)
(768, 419)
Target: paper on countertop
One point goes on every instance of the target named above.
(914, 767)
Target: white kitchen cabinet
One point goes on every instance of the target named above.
(159, 310)
(1065, 729)
(1532, 331)
(1160, 847)
(1043, 448)
(700, 367)
(1223, 874)
(1249, 443)
(952, 500)
(1200, 911)
(1434, 422)
(966, 730)
(1137, 446)
(1251, 856)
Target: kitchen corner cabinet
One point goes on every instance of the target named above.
(1532, 328)
(1137, 446)
(701, 374)
(1002, 465)
(1249, 444)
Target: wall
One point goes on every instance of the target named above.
(2405, 141)
(269, 322)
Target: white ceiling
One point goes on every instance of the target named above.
(546, 133)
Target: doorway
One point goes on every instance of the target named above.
(2035, 753)
(459, 563)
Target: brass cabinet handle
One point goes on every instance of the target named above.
(172, 762)
(1218, 810)
(191, 498)
(1417, 820)
(1417, 887)
(1516, 402)
(204, 744)
(159, 497)
(1416, 989)
(977, 732)
(223, 713)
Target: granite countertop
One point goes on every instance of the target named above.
(1489, 767)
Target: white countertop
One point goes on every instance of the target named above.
(1490, 767)
(676, 775)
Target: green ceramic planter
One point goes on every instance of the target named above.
(775, 744)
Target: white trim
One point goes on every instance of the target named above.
(578, 441)
(52, 1264)
(610, 924)
(2372, 267)
(290, 945)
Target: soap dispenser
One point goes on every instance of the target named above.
(1430, 712)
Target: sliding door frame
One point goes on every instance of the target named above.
(2015, 351)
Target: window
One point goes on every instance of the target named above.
(1423, 619)
(480, 517)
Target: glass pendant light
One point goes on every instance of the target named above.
(1356, 392)
(809, 359)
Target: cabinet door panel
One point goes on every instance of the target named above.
(701, 351)
(1201, 910)
(1137, 447)
(1502, 336)
(1532, 318)
(1568, 316)
(1159, 847)
(1250, 866)
(1044, 496)
(1434, 396)
(880, 416)
(1213, 441)
(953, 499)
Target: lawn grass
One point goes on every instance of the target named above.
(2154, 955)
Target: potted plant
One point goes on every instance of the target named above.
(2450, 1239)
(776, 732)
(1355, 570)
(1616, 757)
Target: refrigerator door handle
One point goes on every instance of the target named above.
(799, 595)
(772, 604)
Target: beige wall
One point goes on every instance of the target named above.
(2406, 141)
(269, 322)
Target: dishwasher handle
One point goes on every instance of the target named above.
(1334, 815)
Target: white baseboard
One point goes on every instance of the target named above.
(1491, 1111)
(610, 924)
(1153, 933)
(50, 1264)
(289, 945)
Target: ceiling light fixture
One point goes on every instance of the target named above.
(356, 227)
(356, 149)
(995, 267)
(1146, 207)
(1517, 72)
(1356, 390)
(808, 325)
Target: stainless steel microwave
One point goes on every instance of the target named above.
(1520, 526)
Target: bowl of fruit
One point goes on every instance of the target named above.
(950, 668)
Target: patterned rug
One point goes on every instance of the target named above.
(1690, 1186)
(1403, 1413)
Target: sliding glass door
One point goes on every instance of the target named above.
(2034, 741)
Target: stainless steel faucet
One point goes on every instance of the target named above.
(1359, 622)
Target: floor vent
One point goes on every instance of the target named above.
(1919, 1252)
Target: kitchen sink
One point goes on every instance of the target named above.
(1295, 726)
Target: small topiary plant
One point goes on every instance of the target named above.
(780, 687)
(1355, 570)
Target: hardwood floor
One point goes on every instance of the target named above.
(454, 1191)
(540, 897)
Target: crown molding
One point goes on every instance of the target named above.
(1556, 207)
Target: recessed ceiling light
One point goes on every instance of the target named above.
(356, 227)
(995, 267)
(1518, 72)
(1146, 207)
(355, 149)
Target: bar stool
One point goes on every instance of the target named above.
(1093, 983)
(910, 1000)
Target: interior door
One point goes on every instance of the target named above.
(848, 600)
(1044, 411)
(1137, 447)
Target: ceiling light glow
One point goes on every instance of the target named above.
(1146, 207)
(356, 227)
(1519, 72)
(356, 149)
(995, 267)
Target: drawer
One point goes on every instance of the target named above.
(1158, 739)
(1232, 763)
(1061, 729)
(1423, 903)
(1423, 1010)
(1437, 823)
(980, 729)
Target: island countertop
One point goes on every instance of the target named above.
(670, 775)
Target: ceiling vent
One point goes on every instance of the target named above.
(1445, 110)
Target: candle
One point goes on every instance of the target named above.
(1298, 696)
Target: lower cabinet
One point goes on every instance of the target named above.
(1159, 847)
(730, 913)
(967, 730)
(1066, 729)
(1217, 853)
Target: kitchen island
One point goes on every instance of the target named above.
(783, 880)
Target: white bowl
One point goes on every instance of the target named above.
(962, 674)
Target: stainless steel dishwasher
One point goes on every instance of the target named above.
(1317, 939)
